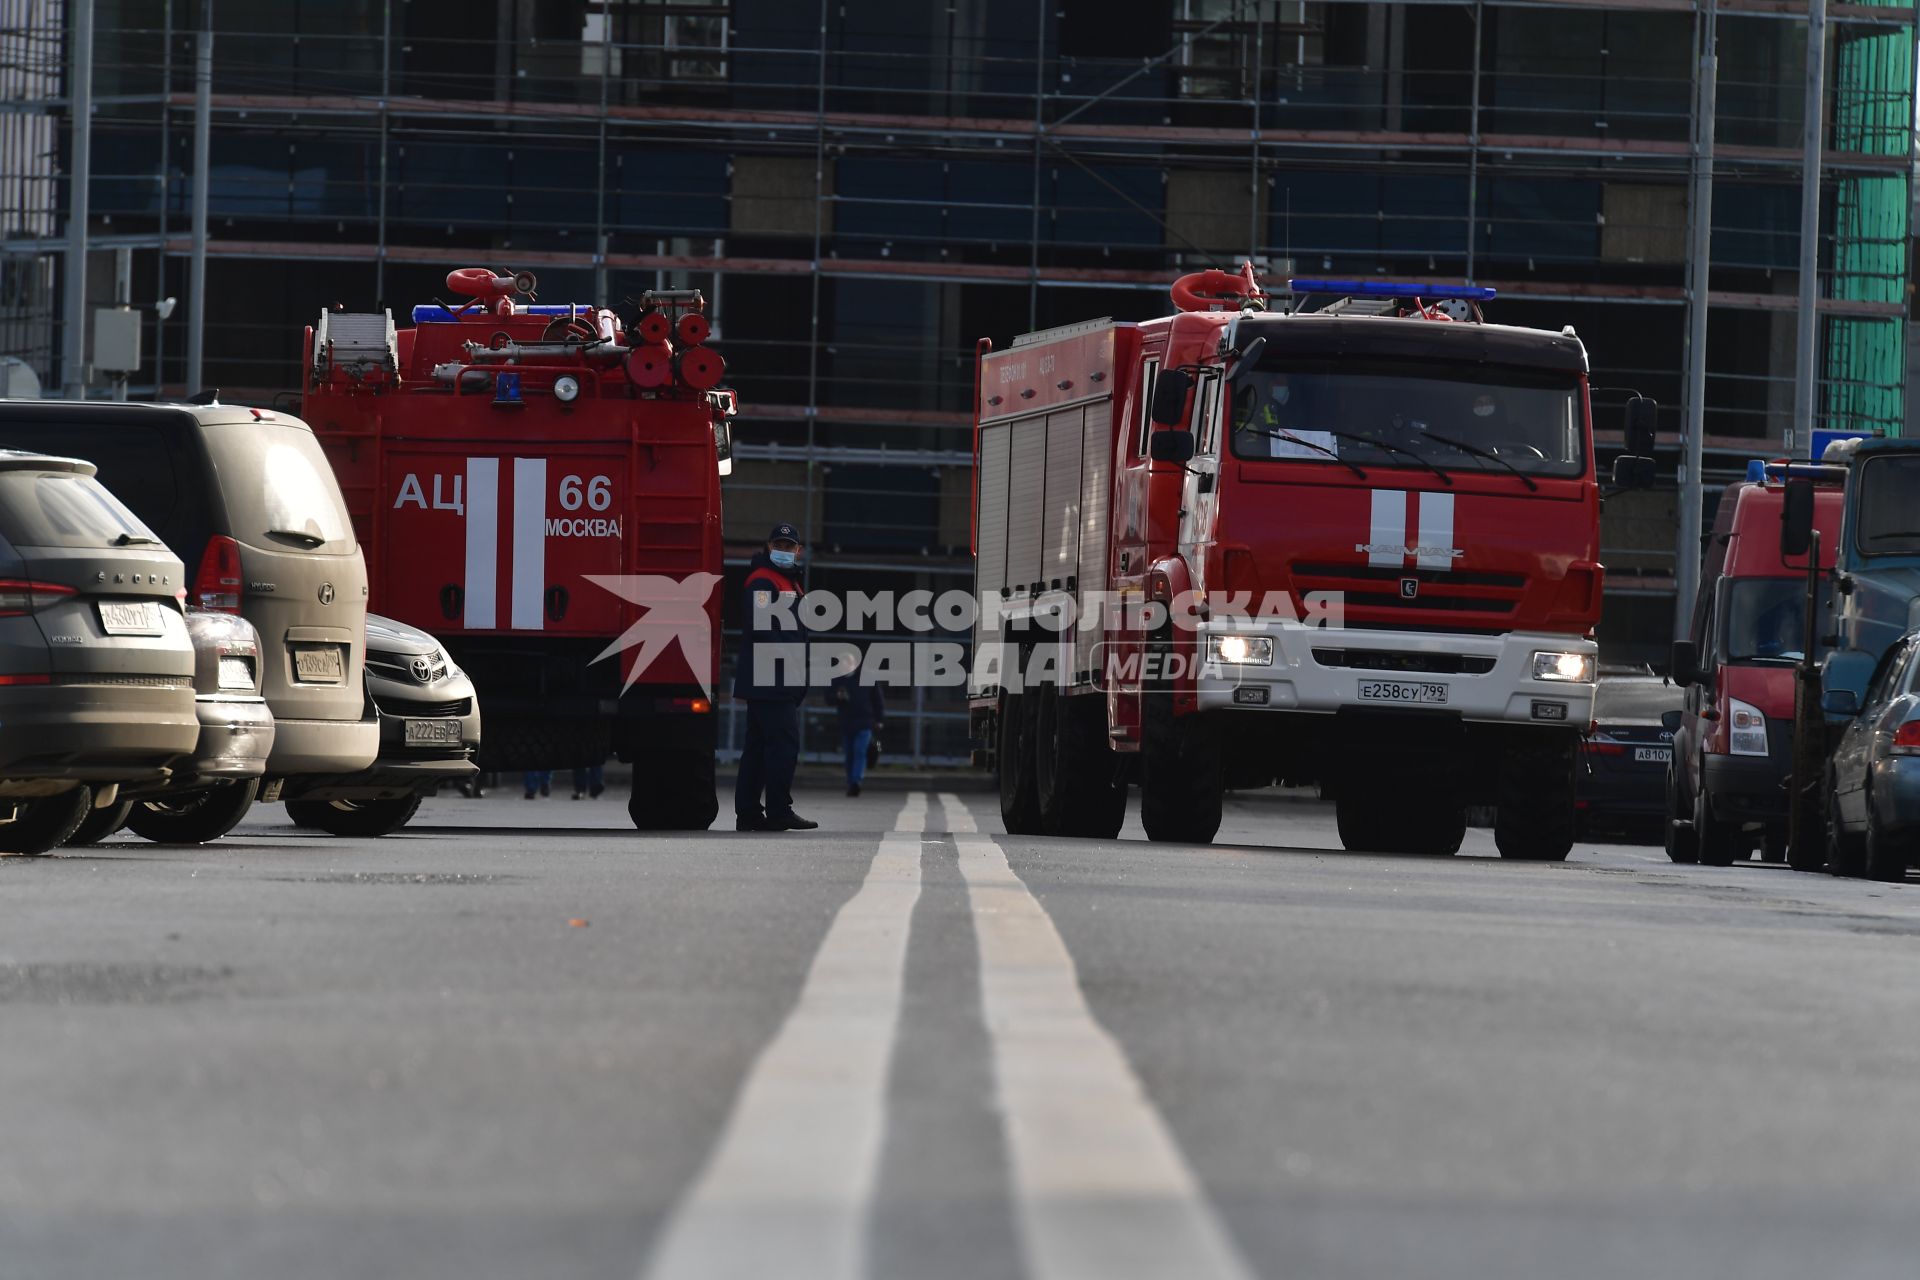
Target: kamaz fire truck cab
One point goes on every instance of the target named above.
(538, 485)
(1383, 519)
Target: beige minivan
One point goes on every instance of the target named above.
(248, 502)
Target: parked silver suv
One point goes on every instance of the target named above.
(96, 667)
(247, 500)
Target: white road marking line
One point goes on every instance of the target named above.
(483, 542)
(787, 1189)
(959, 818)
(1103, 1192)
(913, 814)
(529, 544)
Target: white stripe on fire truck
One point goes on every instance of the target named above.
(1387, 534)
(1435, 547)
(483, 542)
(529, 543)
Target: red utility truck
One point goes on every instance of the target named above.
(539, 486)
(1355, 545)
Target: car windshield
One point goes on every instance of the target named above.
(1888, 514)
(1765, 619)
(1394, 415)
(38, 509)
(1635, 701)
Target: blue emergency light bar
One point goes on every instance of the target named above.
(1393, 289)
(433, 313)
(1760, 470)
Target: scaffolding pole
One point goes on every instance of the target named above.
(1807, 337)
(202, 173)
(73, 350)
(1686, 565)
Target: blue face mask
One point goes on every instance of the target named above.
(784, 559)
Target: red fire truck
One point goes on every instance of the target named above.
(1354, 544)
(539, 486)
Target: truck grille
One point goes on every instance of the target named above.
(1454, 664)
(1375, 595)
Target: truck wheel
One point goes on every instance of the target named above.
(1364, 827)
(1420, 824)
(357, 819)
(673, 791)
(1075, 767)
(100, 824)
(1534, 821)
(1180, 785)
(196, 817)
(40, 825)
(1019, 795)
(1886, 856)
(1683, 843)
(1719, 842)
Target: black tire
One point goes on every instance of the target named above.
(1720, 843)
(1427, 824)
(1363, 827)
(1846, 854)
(1683, 844)
(1181, 786)
(357, 819)
(1075, 768)
(40, 825)
(1534, 818)
(1019, 794)
(1886, 857)
(673, 791)
(100, 824)
(195, 817)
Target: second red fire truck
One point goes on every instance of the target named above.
(539, 485)
(1356, 544)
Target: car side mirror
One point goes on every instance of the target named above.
(1796, 519)
(1171, 444)
(1840, 702)
(1686, 663)
(1640, 426)
(1632, 472)
(1670, 721)
(1249, 359)
(1170, 397)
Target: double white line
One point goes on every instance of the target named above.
(1101, 1189)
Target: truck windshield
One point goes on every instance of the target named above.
(1765, 618)
(1376, 415)
(1888, 516)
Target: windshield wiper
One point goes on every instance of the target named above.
(135, 540)
(1474, 449)
(1275, 434)
(1894, 533)
(1387, 446)
(300, 536)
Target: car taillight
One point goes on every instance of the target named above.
(1906, 739)
(1605, 747)
(216, 588)
(32, 679)
(24, 595)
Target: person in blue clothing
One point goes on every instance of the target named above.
(763, 794)
(862, 708)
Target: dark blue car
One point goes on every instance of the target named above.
(1622, 772)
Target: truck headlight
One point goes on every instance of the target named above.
(1246, 651)
(566, 388)
(1746, 729)
(1574, 668)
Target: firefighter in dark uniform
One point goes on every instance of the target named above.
(773, 696)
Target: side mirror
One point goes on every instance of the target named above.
(1640, 426)
(1840, 702)
(1171, 445)
(1170, 397)
(1685, 663)
(723, 445)
(1670, 721)
(1249, 358)
(1796, 519)
(1632, 472)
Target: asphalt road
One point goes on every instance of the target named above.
(521, 1041)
